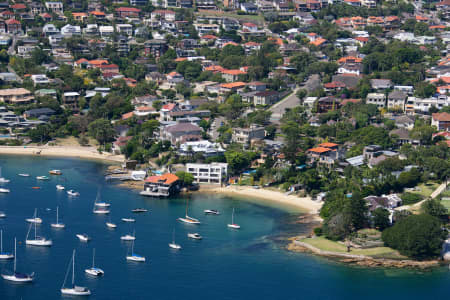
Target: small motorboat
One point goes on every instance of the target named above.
(111, 225)
(23, 175)
(94, 271)
(2, 214)
(42, 177)
(194, 236)
(130, 220)
(3, 190)
(60, 187)
(55, 172)
(83, 237)
(73, 193)
(139, 210)
(211, 212)
(36, 187)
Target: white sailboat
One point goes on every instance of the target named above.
(74, 290)
(174, 245)
(38, 240)
(129, 220)
(110, 224)
(4, 255)
(83, 237)
(100, 207)
(233, 225)
(134, 256)
(18, 277)
(2, 214)
(60, 187)
(34, 219)
(187, 219)
(57, 224)
(72, 193)
(2, 179)
(3, 190)
(129, 237)
(211, 212)
(94, 271)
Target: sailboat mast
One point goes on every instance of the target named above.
(187, 201)
(57, 215)
(232, 217)
(1, 241)
(73, 268)
(93, 257)
(15, 254)
(35, 229)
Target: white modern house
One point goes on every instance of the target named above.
(214, 173)
(204, 146)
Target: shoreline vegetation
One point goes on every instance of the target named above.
(62, 151)
(373, 257)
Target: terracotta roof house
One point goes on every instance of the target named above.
(124, 12)
(441, 121)
(161, 186)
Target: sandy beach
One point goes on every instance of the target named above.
(62, 151)
(304, 203)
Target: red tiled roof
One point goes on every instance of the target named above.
(127, 115)
(233, 72)
(18, 6)
(249, 24)
(319, 150)
(209, 37)
(233, 84)
(445, 117)
(318, 41)
(12, 21)
(169, 106)
(127, 9)
(328, 145)
(167, 178)
(97, 13)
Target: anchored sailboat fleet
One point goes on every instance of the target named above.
(74, 290)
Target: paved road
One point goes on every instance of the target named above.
(279, 108)
(215, 126)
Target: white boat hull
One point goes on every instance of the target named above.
(42, 243)
(95, 271)
(34, 220)
(136, 258)
(211, 212)
(101, 212)
(83, 238)
(234, 226)
(17, 279)
(4, 190)
(60, 187)
(3, 180)
(175, 246)
(103, 204)
(24, 175)
(127, 238)
(111, 225)
(6, 256)
(75, 292)
(188, 221)
(128, 220)
(58, 225)
(194, 236)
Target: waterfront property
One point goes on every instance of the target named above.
(161, 186)
(208, 173)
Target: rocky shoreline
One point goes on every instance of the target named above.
(362, 260)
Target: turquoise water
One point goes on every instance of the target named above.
(226, 264)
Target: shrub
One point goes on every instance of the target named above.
(410, 198)
(318, 231)
(417, 236)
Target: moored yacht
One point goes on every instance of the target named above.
(57, 224)
(35, 218)
(128, 237)
(74, 290)
(211, 212)
(73, 193)
(23, 175)
(94, 271)
(194, 236)
(135, 257)
(233, 225)
(55, 172)
(129, 220)
(4, 255)
(83, 237)
(2, 214)
(139, 210)
(15, 276)
(187, 219)
(3, 190)
(2, 179)
(42, 177)
(60, 187)
(174, 245)
(38, 240)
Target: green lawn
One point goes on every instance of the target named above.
(446, 203)
(327, 245)
(259, 19)
(426, 189)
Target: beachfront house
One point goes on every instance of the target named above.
(161, 186)
(213, 173)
